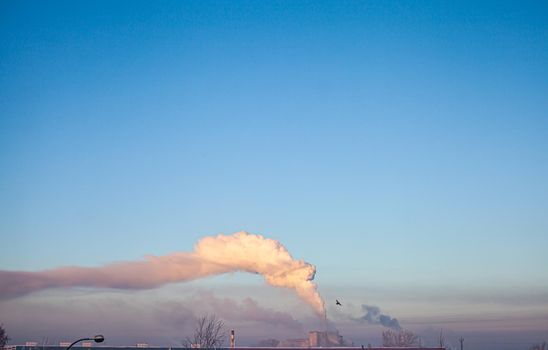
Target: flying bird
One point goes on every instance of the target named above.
(337, 302)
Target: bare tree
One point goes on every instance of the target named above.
(209, 333)
(441, 339)
(403, 338)
(3, 337)
(539, 346)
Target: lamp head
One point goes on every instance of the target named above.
(99, 338)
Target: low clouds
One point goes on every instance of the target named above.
(136, 317)
(248, 309)
(229, 310)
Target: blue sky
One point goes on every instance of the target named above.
(392, 144)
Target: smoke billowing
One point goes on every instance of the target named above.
(216, 255)
(373, 316)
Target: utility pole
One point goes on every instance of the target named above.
(461, 343)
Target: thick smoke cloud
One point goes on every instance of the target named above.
(373, 316)
(216, 255)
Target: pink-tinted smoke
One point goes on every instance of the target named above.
(214, 255)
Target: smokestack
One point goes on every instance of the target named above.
(232, 340)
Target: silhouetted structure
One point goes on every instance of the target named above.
(56, 347)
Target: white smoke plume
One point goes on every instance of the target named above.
(213, 255)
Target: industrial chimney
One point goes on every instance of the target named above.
(232, 340)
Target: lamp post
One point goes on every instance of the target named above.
(98, 339)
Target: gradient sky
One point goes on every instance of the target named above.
(401, 147)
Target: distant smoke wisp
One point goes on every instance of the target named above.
(373, 316)
(214, 255)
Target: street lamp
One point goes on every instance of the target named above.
(98, 339)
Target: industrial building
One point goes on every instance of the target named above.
(316, 339)
(56, 347)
